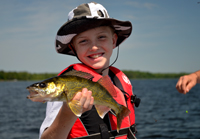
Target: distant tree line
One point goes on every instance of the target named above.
(148, 75)
(41, 76)
(25, 76)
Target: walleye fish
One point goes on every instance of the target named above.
(65, 87)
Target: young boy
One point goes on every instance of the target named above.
(90, 35)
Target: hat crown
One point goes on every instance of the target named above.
(89, 10)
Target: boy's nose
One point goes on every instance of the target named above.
(94, 47)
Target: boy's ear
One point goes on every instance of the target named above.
(114, 39)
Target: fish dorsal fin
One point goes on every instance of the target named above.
(106, 82)
(79, 74)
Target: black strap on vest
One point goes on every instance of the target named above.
(135, 100)
(105, 134)
(117, 83)
(104, 131)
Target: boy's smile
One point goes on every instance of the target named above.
(94, 47)
(95, 55)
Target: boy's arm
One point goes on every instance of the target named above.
(65, 119)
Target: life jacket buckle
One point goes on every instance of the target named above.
(133, 129)
(135, 100)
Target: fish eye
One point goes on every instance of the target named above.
(42, 85)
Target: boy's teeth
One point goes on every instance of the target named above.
(95, 56)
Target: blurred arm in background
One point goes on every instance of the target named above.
(186, 82)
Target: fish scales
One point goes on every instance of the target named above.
(74, 84)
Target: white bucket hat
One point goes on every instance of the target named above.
(88, 16)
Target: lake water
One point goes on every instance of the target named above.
(161, 114)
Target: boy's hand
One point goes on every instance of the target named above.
(85, 98)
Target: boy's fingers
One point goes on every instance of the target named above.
(85, 99)
(78, 96)
(88, 100)
(83, 96)
(91, 103)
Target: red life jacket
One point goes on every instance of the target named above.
(123, 85)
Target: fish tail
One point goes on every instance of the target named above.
(124, 111)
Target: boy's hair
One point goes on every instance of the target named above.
(88, 16)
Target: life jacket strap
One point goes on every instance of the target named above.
(130, 131)
(104, 131)
(135, 100)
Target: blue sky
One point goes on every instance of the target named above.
(165, 36)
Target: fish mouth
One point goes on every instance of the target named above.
(35, 96)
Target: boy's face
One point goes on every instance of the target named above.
(94, 47)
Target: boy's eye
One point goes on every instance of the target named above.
(102, 37)
(82, 41)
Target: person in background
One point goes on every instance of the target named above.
(186, 82)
